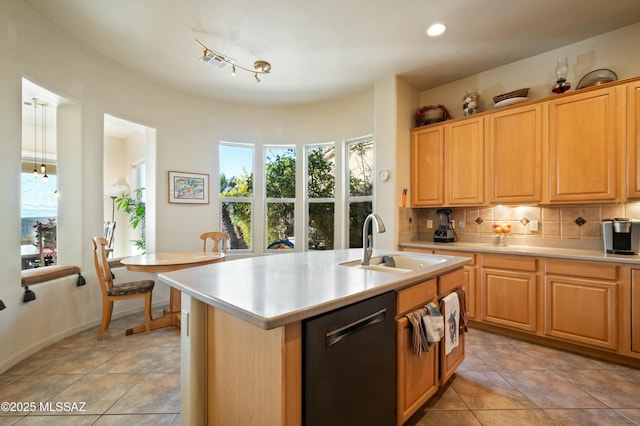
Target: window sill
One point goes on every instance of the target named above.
(47, 273)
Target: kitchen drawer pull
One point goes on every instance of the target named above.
(333, 337)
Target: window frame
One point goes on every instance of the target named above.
(249, 200)
(347, 198)
(267, 200)
(308, 200)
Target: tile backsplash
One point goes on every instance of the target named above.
(574, 226)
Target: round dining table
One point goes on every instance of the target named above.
(165, 262)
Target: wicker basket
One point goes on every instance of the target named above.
(520, 93)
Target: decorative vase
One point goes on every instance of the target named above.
(470, 102)
(562, 85)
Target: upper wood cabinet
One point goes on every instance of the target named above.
(447, 164)
(514, 155)
(427, 166)
(585, 135)
(464, 162)
(581, 147)
(633, 140)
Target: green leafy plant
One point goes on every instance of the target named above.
(134, 206)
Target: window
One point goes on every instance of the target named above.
(236, 192)
(280, 191)
(359, 173)
(38, 181)
(320, 196)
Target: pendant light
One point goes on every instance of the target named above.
(35, 138)
(43, 166)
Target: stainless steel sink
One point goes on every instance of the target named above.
(395, 263)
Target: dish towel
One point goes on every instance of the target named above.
(419, 341)
(451, 313)
(433, 324)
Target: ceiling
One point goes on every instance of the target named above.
(324, 49)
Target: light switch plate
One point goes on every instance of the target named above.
(533, 226)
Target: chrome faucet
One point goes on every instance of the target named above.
(367, 244)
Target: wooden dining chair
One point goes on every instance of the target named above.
(112, 292)
(220, 241)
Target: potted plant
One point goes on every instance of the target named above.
(133, 205)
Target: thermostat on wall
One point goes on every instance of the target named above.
(383, 175)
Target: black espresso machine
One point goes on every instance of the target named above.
(621, 235)
(445, 232)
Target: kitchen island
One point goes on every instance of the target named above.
(242, 327)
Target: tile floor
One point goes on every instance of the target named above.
(123, 380)
(134, 380)
(504, 381)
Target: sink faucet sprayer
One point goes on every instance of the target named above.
(367, 244)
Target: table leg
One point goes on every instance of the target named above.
(170, 317)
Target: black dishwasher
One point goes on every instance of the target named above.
(349, 365)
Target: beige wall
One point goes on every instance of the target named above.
(616, 50)
(184, 136)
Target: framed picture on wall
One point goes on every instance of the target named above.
(188, 188)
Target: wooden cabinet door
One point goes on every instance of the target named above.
(464, 162)
(508, 298)
(633, 140)
(635, 310)
(449, 362)
(427, 166)
(469, 285)
(514, 155)
(417, 378)
(581, 310)
(584, 139)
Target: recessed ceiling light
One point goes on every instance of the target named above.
(436, 29)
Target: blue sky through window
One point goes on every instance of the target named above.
(38, 199)
(236, 160)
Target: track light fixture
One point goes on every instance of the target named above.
(212, 57)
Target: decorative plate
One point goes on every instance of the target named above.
(596, 77)
(511, 101)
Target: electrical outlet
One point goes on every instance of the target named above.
(462, 224)
(453, 224)
(429, 224)
(533, 226)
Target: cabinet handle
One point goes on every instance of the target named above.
(333, 337)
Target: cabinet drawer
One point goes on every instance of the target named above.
(450, 281)
(416, 296)
(472, 256)
(603, 271)
(519, 263)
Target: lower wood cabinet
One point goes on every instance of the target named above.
(447, 284)
(469, 279)
(508, 291)
(635, 310)
(591, 304)
(581, 303)
(417, 376)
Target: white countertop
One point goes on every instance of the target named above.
(274, 290)
(561, 253)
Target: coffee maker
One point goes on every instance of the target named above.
(445, 232)
(621, 235)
